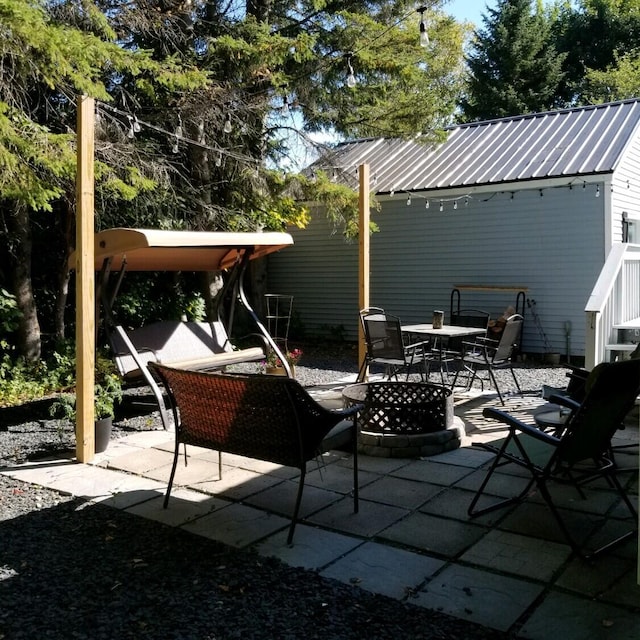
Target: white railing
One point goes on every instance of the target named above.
(614, 299)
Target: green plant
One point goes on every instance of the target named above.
(292, 357)
(107, 394)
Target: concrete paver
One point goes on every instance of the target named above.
(393, 572)
(487, 598)
(237, 525)
(522, 556)
(312, 548)
(433, 534)
(573, 618)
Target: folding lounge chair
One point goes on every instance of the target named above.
(579, 455)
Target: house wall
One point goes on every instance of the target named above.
(550, 243)
(625, 189)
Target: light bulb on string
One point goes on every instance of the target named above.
(408, 201)
(351, 77)
(178, 134)
(285, 105)
(597, 191)
(455, 204)
(228, 127)
(219, 160)
(426, 204)
(424, 36)
(466, 201)
(131, 133)
(441, 205)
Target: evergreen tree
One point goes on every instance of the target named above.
(513, 66)
(601, 43)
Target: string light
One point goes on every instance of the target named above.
(424, 36)
(455, 204)
(218, 161)
(409, 200)
(351, 78)
(441, 205)
(228, 127)
(178, 134)
(426, 204)
(285, 105)
(597, 191)
(131, 133)
(136, 125)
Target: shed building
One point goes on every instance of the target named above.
(531, 203)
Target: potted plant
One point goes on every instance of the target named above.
(107, 393)
(273, 365)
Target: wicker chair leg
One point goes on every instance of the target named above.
(356, 492)
(173, 473)
(296, 509)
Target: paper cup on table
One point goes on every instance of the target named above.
(438, 319)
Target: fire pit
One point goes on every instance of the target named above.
(404, 419)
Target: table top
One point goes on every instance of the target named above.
(552, 418)
(447, 330)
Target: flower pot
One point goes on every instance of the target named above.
(103, 433)
(280, 371)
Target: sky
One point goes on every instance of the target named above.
(470, 10)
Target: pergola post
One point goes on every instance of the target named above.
(85, 282)
(363, 261)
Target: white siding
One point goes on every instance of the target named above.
(551, 244)
(625, 194)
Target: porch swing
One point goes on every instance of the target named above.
(201, 346)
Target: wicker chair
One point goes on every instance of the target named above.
(269, 418)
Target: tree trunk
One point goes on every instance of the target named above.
(19, 251)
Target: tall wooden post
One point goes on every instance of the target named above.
(363, 261)
(85, 282)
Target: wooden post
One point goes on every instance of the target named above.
(363, 261)
(85, 282)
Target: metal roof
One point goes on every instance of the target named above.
(568, 143)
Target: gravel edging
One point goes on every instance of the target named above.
(75, 569)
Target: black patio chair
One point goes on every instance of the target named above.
(386, 346)
(453, 350)
(578, 455)
(488, 354)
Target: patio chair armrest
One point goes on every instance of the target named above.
(564, 400)
(422, 343)
(514, 423)
(347, 412)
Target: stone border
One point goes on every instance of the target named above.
(412, 445)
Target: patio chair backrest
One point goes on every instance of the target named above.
(383, 335)
(612, 389)
(470, 318)
(270, 418)
(510, 338)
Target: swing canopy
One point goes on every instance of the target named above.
(162, 250)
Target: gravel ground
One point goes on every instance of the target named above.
(71, 569)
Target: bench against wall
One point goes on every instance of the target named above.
(201, 346)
